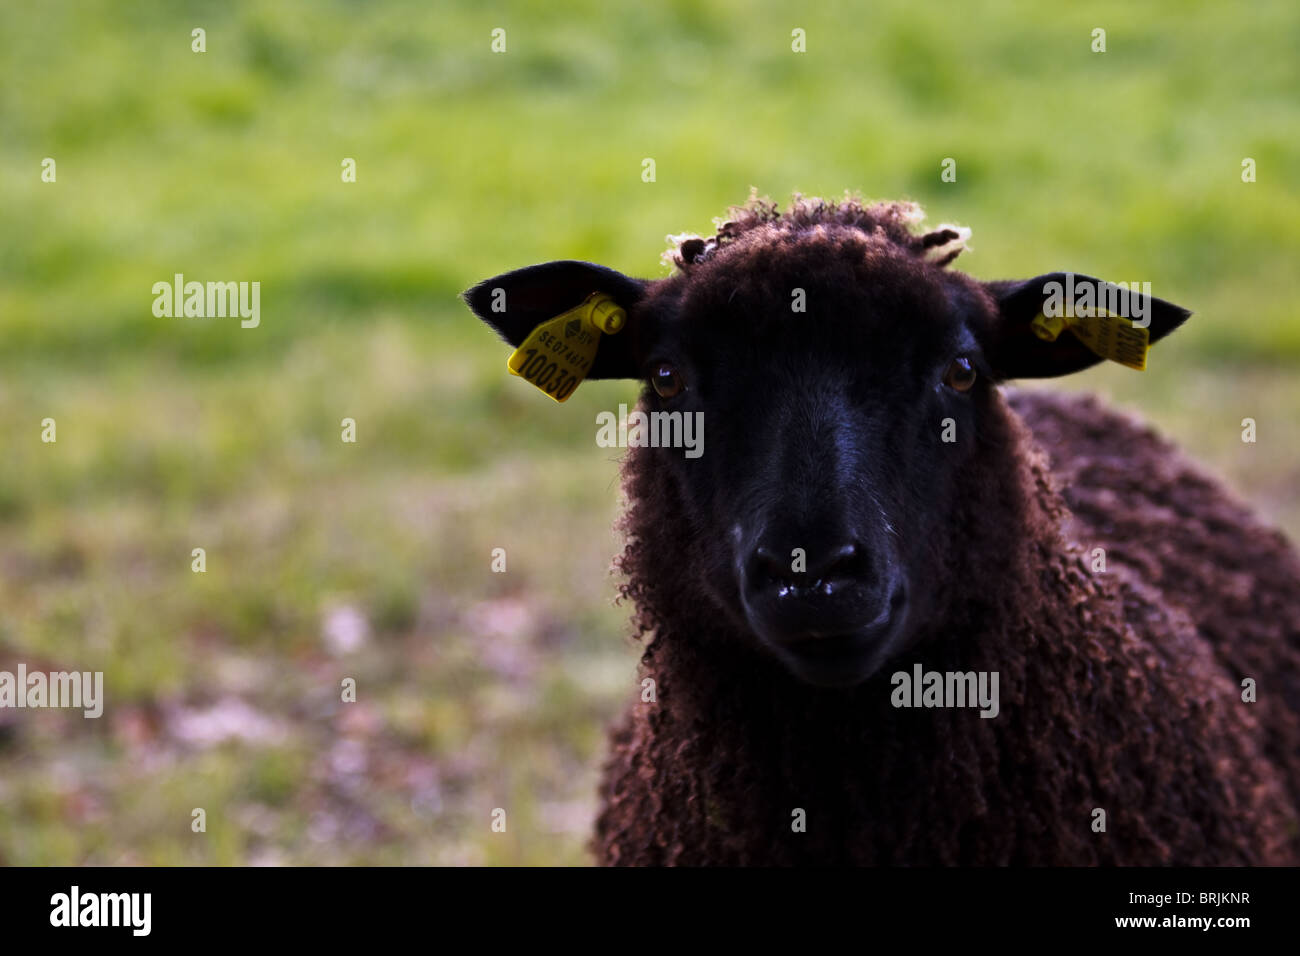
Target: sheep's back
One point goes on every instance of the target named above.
(1168, 525)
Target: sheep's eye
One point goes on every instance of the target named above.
(960, 375)
(667, 381)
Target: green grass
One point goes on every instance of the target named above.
(479, 690)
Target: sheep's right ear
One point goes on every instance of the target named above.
(1015, 349)
(517, 302)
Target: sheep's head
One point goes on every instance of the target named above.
(842, 373)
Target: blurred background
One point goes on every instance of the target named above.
(327, 560)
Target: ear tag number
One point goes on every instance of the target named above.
(1110, 336)
(557, 355)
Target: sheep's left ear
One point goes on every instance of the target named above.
(1015, 350)
(517, 302)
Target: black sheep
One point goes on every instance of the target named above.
(872, 505)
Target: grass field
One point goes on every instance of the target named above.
(328, 560)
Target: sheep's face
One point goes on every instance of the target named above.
(840, 381)
(840, 388)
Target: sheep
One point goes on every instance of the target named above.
(875, 505)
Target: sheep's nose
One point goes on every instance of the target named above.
(815, 569)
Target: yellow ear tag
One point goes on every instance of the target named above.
(1110, 336)
(557, 355)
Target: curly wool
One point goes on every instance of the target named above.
(1120, 690)
(763, 219)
